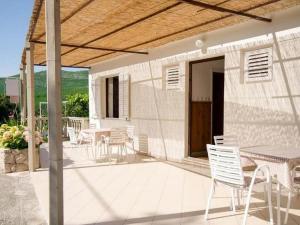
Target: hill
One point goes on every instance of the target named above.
(72, 82)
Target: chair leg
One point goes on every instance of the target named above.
(119, 155)
(100, 150)
(233, 200)
(242, 197)
(87, 151)
(238, 197)
(132, 143)
(288, 207)
(106, 153)
(247, 204)
(125, 150)
(269, 193)
(278, 203)
(209, 199)
(121, 152)
(109, 152)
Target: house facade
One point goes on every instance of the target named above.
(242, 80)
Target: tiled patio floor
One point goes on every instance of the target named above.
(144, 192)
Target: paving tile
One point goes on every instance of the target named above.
(144, 191)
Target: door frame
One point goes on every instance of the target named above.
(189, 105)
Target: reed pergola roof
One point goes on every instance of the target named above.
(96, 30)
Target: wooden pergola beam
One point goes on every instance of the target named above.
(76, 67)
(180, 31)
(53, 49)
(30, 105)
(94, 48)
(221, 9)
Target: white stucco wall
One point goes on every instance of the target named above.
(258, 113)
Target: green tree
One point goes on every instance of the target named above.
(78, 105)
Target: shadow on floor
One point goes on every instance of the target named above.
(192, 215)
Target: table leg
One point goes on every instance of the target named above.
(278, 203)
(95, 147)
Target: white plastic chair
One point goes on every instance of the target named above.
(74, 140)
(101, 146)
(231, 140)
(72, 135)
(130, 137)
(85, 137)
(92, 126)
(296, 188)
(225, 164)
(247, 164)
(117, 138)
(226, 140)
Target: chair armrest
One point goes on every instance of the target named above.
(266, 171)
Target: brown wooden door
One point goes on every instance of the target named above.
(200, 128)
(218, 104)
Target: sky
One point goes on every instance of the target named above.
(14, 21)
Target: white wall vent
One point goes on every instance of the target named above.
(173, 78)
(258, 65)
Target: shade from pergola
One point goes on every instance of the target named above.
(96, 30)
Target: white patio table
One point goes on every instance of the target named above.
(95, 134)
(281, 160)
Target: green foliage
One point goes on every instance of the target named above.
(12, 137)
(72, 82)
(6, 108)
(78, 105)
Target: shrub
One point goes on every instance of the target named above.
(7, 108)
(78, 105)
(16, 137)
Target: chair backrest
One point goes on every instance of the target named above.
(72, 135)
(92, 125)
(225, 164)
(130, 131)
(117, 136)
(226, 140)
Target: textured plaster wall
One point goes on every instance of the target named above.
(157, 114)
(265, 113)
(261, 113)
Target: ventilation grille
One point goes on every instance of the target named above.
(258, 65)
(173, 78)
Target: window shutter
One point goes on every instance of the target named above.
(103, 97)
(258, 65)
(172, 78)
(124, 95)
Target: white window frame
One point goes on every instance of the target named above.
(124, 108)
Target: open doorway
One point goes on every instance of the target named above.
(206, 103)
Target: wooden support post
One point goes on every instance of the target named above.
(53, 60)
(30, 105)
(23, 95)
